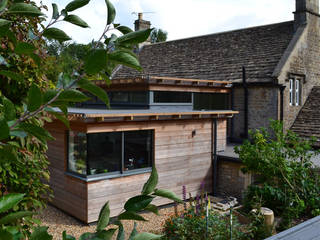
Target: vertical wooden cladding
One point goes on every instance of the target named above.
(70, 194)
(182, 150)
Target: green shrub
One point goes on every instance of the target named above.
(286, 180)
(193, 226)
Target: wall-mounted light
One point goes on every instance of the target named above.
(194, 132)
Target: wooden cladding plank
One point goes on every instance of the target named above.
(169, 125)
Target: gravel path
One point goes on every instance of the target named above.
(58, 221)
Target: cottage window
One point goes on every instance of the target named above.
(114, 153)
(291, 91)
(295, 91)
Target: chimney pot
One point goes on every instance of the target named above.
(140, 16)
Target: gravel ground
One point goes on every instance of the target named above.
(58, 221)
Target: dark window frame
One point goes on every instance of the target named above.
(117, 174)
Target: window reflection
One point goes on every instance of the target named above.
(77, 152)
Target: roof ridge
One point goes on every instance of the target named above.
(218, 33)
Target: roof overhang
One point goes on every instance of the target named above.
(158, 83)
(91, 115)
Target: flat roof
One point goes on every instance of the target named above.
(85, 113)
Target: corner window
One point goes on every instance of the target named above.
(295, 91)
(112, 153)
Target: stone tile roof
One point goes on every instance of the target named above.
(307, 123)
(217, 56)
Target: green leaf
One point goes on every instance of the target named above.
(36, 59)
(124, 29)
(152, 182)
(5, 235)
(13, 217)
(72, 95)
(55, 11)
(60, 117)
(57, 34)
(121, 233)
(106, 234)
(76, 4)
(103, 219)
(64, 110)
(4, 22)
(8, 201)
(9, 109)
(86, 236)
(39, 132)
(12, 75)
(152, 208)
(96, 61)
(94, 89)
(40, 233)
(34, 98)
(24, 9)
(124, 58)
(134, 232)
(18, 133)
(49, 95)
(64, 81)
(7, 154)
(138, 203)
(4, 129)
(3, 5)
(131, 216)
(111, 12)
(135, 37)
(76, 21)
(24, 48)
(147, 236)
(65, 236)
(167, 194)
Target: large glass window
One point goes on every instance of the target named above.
(110, 153)
(137, 150)
(172, 97)
(104, 152)
(211, 101)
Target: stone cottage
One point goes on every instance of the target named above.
(273, 69)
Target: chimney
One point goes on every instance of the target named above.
(305, 9)
(141, 24)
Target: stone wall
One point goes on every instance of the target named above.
(263, 105)
(231, 181)
(303, 59)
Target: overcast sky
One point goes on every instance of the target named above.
(180, 18)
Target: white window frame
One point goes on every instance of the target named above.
(297, 92)
(291, 92)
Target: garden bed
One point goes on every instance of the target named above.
(58, 221)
